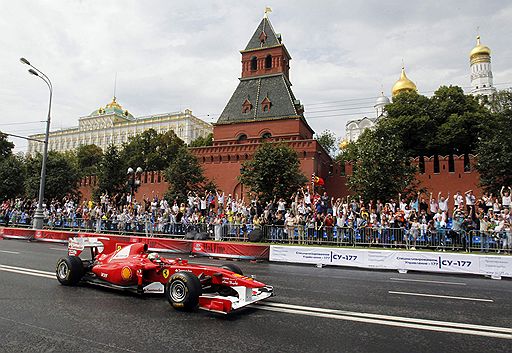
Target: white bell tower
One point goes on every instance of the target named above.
(481, 73)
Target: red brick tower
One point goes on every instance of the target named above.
(262, 108)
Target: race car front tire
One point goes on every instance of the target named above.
(69, 270)
(233, 268)
(183, 291)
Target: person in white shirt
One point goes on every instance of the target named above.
(505, 197)
(458, 200)
(443, 202)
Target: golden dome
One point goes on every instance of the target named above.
(343, 144)
(479, 50)
(114, 104)
(403, 84)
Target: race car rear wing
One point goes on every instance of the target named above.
(78, 244)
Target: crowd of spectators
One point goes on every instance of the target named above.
(302, 217)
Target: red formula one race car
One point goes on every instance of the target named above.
(186, 286)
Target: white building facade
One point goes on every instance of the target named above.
(113, 125)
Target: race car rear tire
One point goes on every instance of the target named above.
(183, 291)
(233, 268)
(69, 270)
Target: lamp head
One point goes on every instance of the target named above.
(24, 61)
(130, 170)
(33, 72)
(139, 170)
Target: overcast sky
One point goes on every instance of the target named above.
(174, 55)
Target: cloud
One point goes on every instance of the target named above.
(171, 56)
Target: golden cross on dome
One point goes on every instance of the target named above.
(267, 11)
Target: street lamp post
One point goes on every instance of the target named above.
(133, 180)
(39, 214)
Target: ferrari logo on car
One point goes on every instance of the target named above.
(165, 273)
(126, 273)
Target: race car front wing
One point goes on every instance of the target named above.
(226, 304)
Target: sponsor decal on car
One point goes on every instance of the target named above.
(126, 273)
(165, 273)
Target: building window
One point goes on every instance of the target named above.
(254, 63)
(242, 137)
(268, 62)
(266, 135)
(246, 106)
(266, 104)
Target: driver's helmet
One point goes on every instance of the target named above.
(154, 257)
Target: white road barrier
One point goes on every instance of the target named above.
(488, 265)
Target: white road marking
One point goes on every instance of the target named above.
(63, 248)
(441, 296)
(9, 252)
(27, 271)
(390, 323)
(387, 317)
(425, 281)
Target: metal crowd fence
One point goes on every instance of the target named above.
(441, 239)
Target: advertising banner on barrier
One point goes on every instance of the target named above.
(17, 233)
(231, 250)
(492, 265)
(54, 236)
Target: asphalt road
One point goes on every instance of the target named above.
(315, 310)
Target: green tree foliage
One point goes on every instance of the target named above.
(448, 122)
(381, 166)
(184, 174)
(62, 175)
(88, 159)
(203, 141)
(112, 173)
(327, 139)
(151, 150)
(494, 147)
(12, 176)
(274, 172)
(6, 146)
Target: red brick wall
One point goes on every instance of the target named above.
(280, 62)
(225, 173)
(293, 128)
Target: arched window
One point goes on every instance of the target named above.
(266, 135)
(242, 137)
(268, 62)
(254, 63)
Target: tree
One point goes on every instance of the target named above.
(6, 146)
(88, 159)
(12, 175)
(448, 122)
(494, 152)
(151, 150)
(327, 139)
(274, 172)
(184, 174)
(381, 167)
(62, 175)
(203, 141)
(112, 172)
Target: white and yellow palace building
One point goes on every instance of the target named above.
(114, 125)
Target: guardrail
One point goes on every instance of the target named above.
(441, 239)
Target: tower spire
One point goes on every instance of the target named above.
(115, 86)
